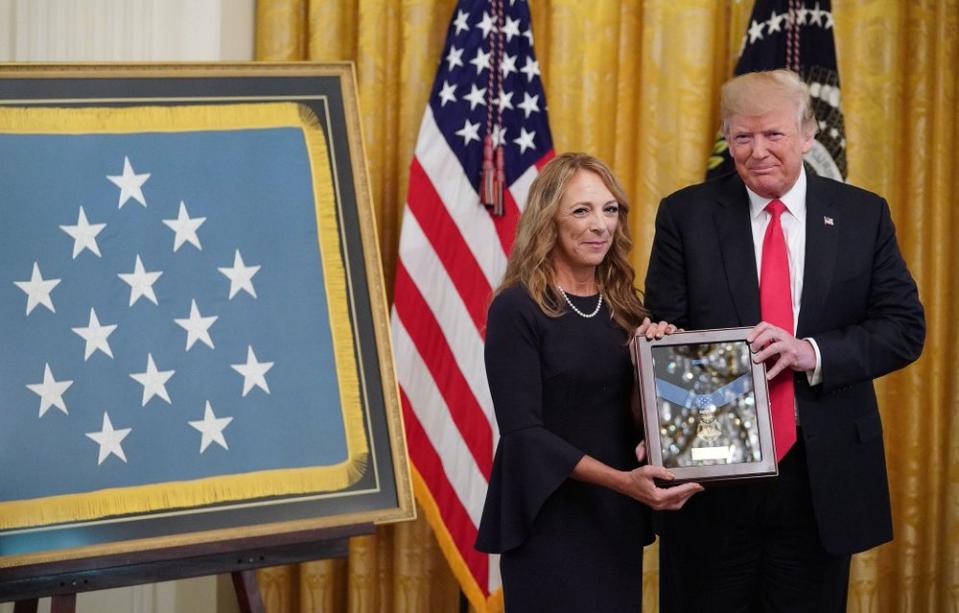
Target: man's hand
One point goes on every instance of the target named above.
(766, 341)
(657, 331)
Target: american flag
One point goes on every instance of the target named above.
(453, 254)
(798, 35)
(163, 315)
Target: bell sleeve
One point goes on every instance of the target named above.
(531, 462)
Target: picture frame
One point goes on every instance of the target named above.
(705, 405)
(374, 486)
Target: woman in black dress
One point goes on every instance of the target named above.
(568, 504)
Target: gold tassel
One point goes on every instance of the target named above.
(499, 184)
(488, 181)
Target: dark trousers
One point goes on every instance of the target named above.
(750, 547)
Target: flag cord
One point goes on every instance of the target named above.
(792, 40)
(494, 176)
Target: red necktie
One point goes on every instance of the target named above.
(776, 307)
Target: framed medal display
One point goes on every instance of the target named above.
(705, 405)
(187, 168)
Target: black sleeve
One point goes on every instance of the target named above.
(665, 293)
(530, 461)
(893, 331)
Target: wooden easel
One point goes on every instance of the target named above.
(244, 582)
(239, 557)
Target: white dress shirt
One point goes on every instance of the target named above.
(793, 222)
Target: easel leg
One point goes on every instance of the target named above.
(247, 591)
(26, 606)
(63, 603)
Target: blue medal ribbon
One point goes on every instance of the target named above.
(689, 399)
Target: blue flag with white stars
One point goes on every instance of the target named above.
(164, 316)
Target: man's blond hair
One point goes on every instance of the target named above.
(757, 93)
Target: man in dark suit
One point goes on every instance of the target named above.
(814, 265)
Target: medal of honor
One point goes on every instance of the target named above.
(705, 404)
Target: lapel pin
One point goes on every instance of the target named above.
(828, 221)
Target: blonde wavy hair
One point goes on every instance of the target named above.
(530, 263)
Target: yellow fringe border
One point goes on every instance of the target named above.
(472, 589)
(211, 490)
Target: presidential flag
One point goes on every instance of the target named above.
(484, 129)
(798, 35)
(172, 334)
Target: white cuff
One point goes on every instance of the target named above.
(814, 376)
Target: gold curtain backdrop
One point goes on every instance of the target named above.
(636, 83)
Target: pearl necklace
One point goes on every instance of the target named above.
(577, 311)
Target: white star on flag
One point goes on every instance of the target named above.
(476, 96)
(197, 327)
(448, 93)
(38, 290)
(460, 23)
(816, 15)
(109, 440)
(511, 28)
(455, 57)
(530, 69)
(499, 135)
(469, 131)
(525, 140)
(96, 336)
(530, 104)
(240, 276)
(773, 24)
(130, 184)
(508, 65)
(481, 61)
(253, 372)
(50, 391)
(140, 282)
(153, 381)
(211, 427)
(84, 234)
(185, 228)
(487, 25)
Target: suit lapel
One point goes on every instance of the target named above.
(736, 243)
(822, 233)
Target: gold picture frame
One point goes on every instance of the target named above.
(326, 92)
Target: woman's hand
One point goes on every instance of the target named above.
(640, 485)
(637, 483)
(657, 331)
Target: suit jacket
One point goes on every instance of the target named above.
(859, 303)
